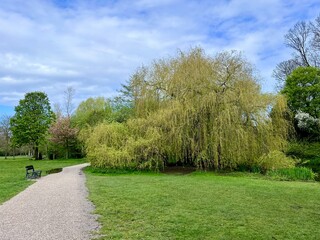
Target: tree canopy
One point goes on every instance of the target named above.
(193, 109)
(92, 111)
(302, 89)
(32, 120)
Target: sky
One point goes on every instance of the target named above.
(94, 46)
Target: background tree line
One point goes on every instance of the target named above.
(36, 129)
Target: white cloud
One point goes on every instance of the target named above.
(95, 46)
(21, 65)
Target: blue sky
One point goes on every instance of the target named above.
(95, 45)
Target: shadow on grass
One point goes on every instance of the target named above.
(54, 170)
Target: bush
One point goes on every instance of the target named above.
(293, 174)
(304, 150)
(309, 153)
(274, 160)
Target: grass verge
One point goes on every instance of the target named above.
(203, 206)
(12, 173)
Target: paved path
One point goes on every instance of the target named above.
(55, 207)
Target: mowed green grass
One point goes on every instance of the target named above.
(12, 173)
(204, 206)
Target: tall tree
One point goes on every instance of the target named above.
(192, 109)
(92, 111)
(304, 41)
(62, 132)
(121, 109)
(5, 133)
(32, 120)
(302, 88)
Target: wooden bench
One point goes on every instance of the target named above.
(31, 173)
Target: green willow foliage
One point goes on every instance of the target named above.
(193, 109)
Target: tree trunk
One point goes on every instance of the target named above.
(36, 153)
(66, 154)
(67, 150)
(219, 156)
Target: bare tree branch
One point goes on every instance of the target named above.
(283, 70)
(315, 28)
(304, 40)
(69, 106)
(5, 133)
(297, 38)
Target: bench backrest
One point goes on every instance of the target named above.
(29, 168)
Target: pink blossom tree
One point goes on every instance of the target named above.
(63, 134)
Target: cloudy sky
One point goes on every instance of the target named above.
(95, 45)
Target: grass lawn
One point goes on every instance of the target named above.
(12, 173)
(204, 206)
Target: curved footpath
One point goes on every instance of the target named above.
(55, 207)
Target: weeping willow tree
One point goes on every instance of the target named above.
(197, 110)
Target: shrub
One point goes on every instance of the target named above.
(297, 173)
(274, 160)
(304, 150)
(254, 168)
(295, 150)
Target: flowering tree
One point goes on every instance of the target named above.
(63, 134)
(307, 125)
